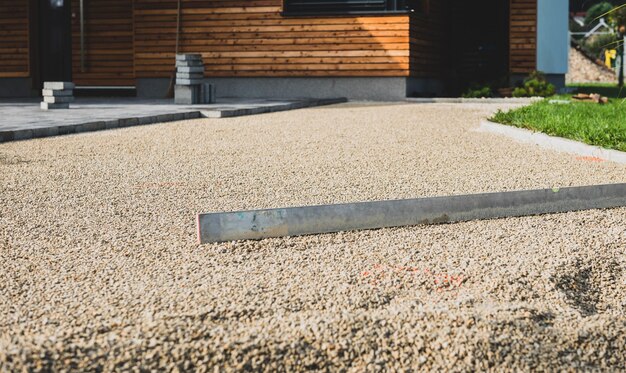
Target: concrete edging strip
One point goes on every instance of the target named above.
(552, 142)
(296, 221)
(230, 113)
(33, 133)
(461, 100)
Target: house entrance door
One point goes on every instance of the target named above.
(55, 45)
(479, 43)
(103, 43)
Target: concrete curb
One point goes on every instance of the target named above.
(32, 133)
(296, 221)
(230, 113)
(553, 143)
(461, 100)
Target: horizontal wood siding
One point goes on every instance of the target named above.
(14, 39)
(523, 36)
(109, 55)
(429, 39)
(252, 38)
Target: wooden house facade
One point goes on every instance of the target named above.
(268, 48)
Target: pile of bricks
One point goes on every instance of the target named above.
(190, 89)
(57, 95)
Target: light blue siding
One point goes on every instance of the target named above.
(552, 36)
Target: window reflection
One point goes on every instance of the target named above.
(56, 3)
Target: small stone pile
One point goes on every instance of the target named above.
(57, 95)
(584, 70)
(190, 89)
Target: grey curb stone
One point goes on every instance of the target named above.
(190, 69)
(92, 126)
(208, 93)
(189, 64)
(58, 85)
(67, 130)
(189, 76)
(6, 136)
(461, 100)
(552, 142)
(186, 94)
(128, 122)
(56, 92)
(188, 81)
(188, 57)
(146, 120)
(58, 99)
(112, 124)
(193, 115)
(23, 134)
(54, 106)
(170, 117)
(45, 131)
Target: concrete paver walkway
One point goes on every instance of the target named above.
(20, 120)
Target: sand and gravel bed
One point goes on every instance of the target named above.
(100, 269)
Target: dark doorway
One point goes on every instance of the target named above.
(55, 41)
(479, 44)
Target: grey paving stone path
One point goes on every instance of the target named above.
(23, 119)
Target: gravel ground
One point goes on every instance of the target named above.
(100, 269)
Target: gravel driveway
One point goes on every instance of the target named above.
(100, 269)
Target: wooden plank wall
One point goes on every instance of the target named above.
(14, 39)
(523, 36)
(109, 52)
(429, 39)
(251, 38)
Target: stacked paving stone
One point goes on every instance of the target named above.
(57, 95)
(189, 88)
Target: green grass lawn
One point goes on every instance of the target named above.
(601, 125)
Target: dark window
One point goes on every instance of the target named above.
(297, 7)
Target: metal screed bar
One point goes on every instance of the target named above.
(295, 221)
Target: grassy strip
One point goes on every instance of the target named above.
(600, 125)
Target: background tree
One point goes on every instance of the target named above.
(584, 5)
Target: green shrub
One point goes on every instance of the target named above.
(596, 11)
(478, 92)
(535, 85)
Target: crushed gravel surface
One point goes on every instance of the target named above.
(100, 269)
